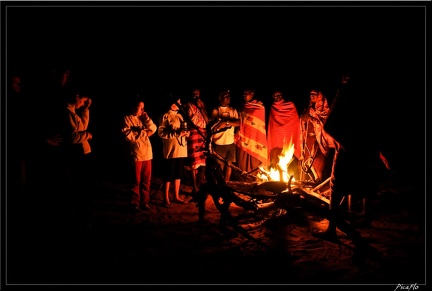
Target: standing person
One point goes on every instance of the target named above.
(251, 143)
(196, 160)
(358, 153)
(283, 131)
(76, 151)
(137, 128)
(174, 150)
(316, 147)
(224, 119)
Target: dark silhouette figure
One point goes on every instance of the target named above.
(358, 162)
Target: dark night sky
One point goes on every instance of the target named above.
(223, 45)
(121, 50)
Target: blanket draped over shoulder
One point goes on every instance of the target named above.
(315, 141)
(252, 133)
(284, 127)
(313, 127)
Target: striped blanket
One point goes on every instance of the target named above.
(195, 147)
(252, 133)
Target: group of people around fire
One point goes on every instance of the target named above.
(247, 138)
(238, 137)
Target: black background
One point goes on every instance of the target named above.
(118, 50)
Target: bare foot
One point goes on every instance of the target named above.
(180, 201)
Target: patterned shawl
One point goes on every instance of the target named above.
(252, 132)
(284, 126)
(317, 115)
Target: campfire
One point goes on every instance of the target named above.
(280, 171)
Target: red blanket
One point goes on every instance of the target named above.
(284, 126)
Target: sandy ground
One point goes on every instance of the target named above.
(171, 246)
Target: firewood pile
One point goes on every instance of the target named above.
(256, 196)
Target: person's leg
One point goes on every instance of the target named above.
(332, 216)
(177, 190)
(146, 172)
(228, 171)
(167, 185)
(366, 220)
(194, 180)
(167, 176)
(220, 157)
(178, 164)
(200, 176)
(230, 156)
(194, 156)
(135, 193)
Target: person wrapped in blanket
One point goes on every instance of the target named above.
(251, 138)
(317, 148)
(283, 133)
(196, 161)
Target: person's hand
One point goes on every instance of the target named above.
(200, 104)
(223, 124)
(144, 116)
(90, 136)
(149, 132)
(185, 133)
(312, 112)
(87, 103)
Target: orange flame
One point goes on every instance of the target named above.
(281, 172)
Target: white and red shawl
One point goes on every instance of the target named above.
(317, 116)
(252, 137)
